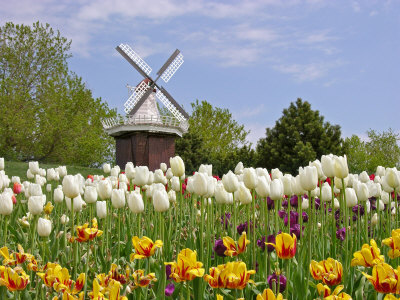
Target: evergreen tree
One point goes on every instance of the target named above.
(299, 136)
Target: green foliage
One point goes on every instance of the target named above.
(48, 114)
(299, 136)
(381, 149)
(213, 137)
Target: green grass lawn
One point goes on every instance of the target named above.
(14, 168)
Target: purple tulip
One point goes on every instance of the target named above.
(285, 203)
(294, 201)
(270, 203)
(219, 248)
(261, 243)
(169, 289)
(282, 214)
(241, 227)
(305, 217)
(270, 239)
(294, 218)
(341, 234)
(168, 271)
(296, 230)
(317, 202)
(273, 282)
(358, 209)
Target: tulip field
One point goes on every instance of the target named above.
(251, 234)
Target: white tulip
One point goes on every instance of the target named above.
(118, 198)
(163, 167)
(250, 178)
(338, 182)
(169, 174)
(305, 204)
(34, 167)
(35, 189)
(243, 194)
(287, 184)
(42, 172)
(207, 169)
(362, 192)
(296, 186)
(135, 202)
(48, 188)
(29, 174)
(221, 195)
(141, 176)
(363, 177)
(317, 164)
(175, 184)
(70, 185)
(200, 181)
(123, 186)
(239, 168)
(177, 166)
(160, 201)
(151, 178)
(385, 186)
(262, 172)
(276, 174)
(308, 178)
(392, 178)
(64, 219)
(230, 181)
(336, 203)
(380, 171)
(340, 167)
(326, 192)
(35, 205)
(211, 182)
(380, 205)
(90, 194)
(58, 195)
(44, 227)
(262, 187)
(104, 189)
(106, 168)
(385, 197)
(327, 164)
(374, 219)
(77, 202)
(62, 171)
(1, 163)
(15, 179)
(6, 204)
(101, 209)
(51, 174)
(172, 196)
(276, 189)
(351, 198)
(377, 179)
(189, 186)
(159, 177)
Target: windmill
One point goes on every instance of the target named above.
(144, 136)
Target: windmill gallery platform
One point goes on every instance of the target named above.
(143, 136)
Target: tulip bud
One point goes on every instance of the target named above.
(106, 168)
(338, 182)
(305, 204)
(160, 201)
(70, 185)
(262, 172)
(231, 182)
(340, 167)
(141, 176)
(351, 198)
(34, 167)
(385, 197)
(6, 204)
(317, 164)
(308, 178)
(118, 198)
(159, 177)
(77, 202)
(35, 189)
(262, 187)
(380, 171)
(62, 171)
(385, 186)
(200, 181)
(51, 174)
(221, 195)
(392, 178)
(276, 189)
(336, 203)
(1, 163)
(276, 174)
(44, 227)
(374, 219)
(172, 196)
(287, 184)
(243, 194)
(250, 178)
(90, 194)
(123, 186)
(362, 192)
(380, 205)
(104, 189)
(58, 195)
(35, 205)
(15, 179)
(169, 174)
(363, 177)
(135, 202)
(211, 183)
(163, 167)
(189, 185)
(207, 169)
(130, 170)
(48, 188)
(175, 184)
(29, 174)
(327, 163)
(64, 219)
(239, 168)
(297, 189)
(177, 166)
(101, 209)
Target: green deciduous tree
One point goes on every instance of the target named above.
(380, 149)
(47, 113)
(214, 136)
(299, 136)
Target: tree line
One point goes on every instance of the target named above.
(48, 114)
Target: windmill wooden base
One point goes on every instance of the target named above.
(144, 149)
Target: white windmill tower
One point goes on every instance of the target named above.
(144, 136)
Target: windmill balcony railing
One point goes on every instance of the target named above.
(163, 121)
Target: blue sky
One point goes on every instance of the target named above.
(252, 57)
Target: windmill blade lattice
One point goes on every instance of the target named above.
(177, 114)
(136, 58)
(137, 93)
(172, 68)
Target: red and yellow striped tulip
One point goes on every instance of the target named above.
(14, 279)
(144, 247)
(325, 292)
(394, 243)
(268, 294)
(186, 267)
(368, 256)
(384, 278)
(285, 245)
(85, 233)
(233, 248)
(330, 271)
(141, 280)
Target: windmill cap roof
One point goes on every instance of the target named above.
(147, 81)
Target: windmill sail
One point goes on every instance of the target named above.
(137, 94)
(175, 61)
(171, 104)
(134, 59)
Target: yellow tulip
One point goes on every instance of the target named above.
(187, 267)
(394, 243)
(390, 297)
(368, 256)
(96, 294)
(268, 294)
(141, 280)
(14, 279)
(88, 234)
(325, 292)
(48, 208)
(329, 271)
(20, 256)
(384, 278)
(233, 275)
(115, 290)
(144, 247)
(285, 245)
(233, 248)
